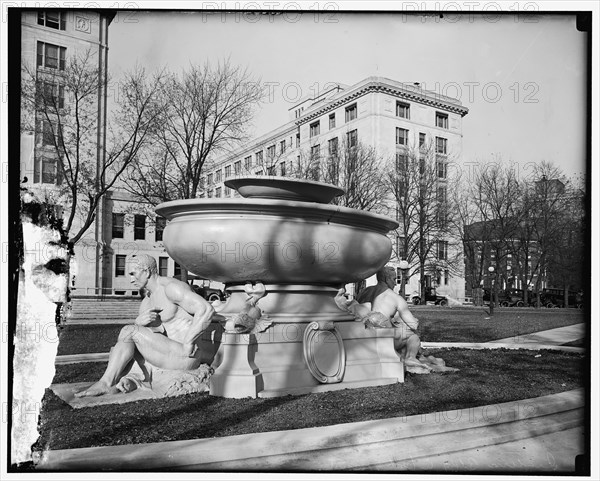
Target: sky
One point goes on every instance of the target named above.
(523, 78)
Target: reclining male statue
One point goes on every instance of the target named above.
(379, 306)
(171, 319)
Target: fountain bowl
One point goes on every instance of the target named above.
(284, 188)
(275, 241)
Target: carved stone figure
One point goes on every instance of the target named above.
(165, 335)
(380, 307)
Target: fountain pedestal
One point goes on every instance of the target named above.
(286, 236)
(311, 346)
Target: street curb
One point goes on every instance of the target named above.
(341, 447)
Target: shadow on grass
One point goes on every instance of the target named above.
(485, 377)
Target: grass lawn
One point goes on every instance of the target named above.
(471, 325)
(484, 378)
(436, 325)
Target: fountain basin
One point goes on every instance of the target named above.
(275, 241)
(284, 188)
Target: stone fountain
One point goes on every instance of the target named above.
(284, 246)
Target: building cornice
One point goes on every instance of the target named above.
(417, 95)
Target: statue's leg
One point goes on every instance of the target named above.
(164, 353)
(120, 357)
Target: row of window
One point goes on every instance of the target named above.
(403, 111)
(350, 114)
(332, 145)
(440, 245)
(163, 266)
(441, 144)
(441, 164)
(139, 227)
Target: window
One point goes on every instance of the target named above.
(259, 172)
(333, 170)
(202, 182)
(210, 194)
(403, 110)
(120, 265)
(54, 95)
(298, 139)
(332, 147)
(177, 272)
(271, 152)
(49, 131)
(163, 266)
(259, 158)
(422, 140)
(441, 145)
(401, 161)
(315, 129)
(210, 179)
(442, 250)
(237, 167)
(227, 171)
(446, 276)
(118, 222)
(227, 192)
(160, 225)
(248, 162)
(139, 231)
(352, 138)
(50, 172)
(442, 195)
(51, 56)
(315, 151)
(282, 169)
(351, 112)
(441, 120)
(401, 247)
(401, 136)
(331, 121)
(218, 176)
(218, 192)
(282, 147)
(52, 19)
(442, 169)
(271, 170)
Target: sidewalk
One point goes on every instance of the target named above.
(558, 336)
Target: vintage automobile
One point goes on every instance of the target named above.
(203, 288)
(431, 296)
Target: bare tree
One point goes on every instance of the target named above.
(497, 194)
(63, 107)
(205, 111)
(418, 186)
(351, 165)
(546, 214)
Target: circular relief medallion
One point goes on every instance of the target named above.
(324, 352)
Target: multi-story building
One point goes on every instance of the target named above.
(388, 115)
(391, 116)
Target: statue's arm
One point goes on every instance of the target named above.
(147, 315)
(196, 306)
(405, 314)
(353, 307)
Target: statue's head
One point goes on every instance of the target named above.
(144, 262)
(387, 275)
(142, 267)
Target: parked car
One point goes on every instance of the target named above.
(431, 296)
(552, 297)
(209, 293)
